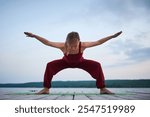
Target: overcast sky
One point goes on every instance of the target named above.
(24, 59)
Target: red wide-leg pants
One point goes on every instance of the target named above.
(92, 67)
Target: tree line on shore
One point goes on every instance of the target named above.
(85, 84)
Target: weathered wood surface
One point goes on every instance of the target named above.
(75, 94)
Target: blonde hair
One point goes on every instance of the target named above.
(72, 37)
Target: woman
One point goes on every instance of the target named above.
(73, 49)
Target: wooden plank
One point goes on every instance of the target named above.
(97, 97)
(23, 97)
(81, 97)
(133, 96)
(141, 94)
(7, 97)
(127, 97)
(105, 97)
(140, 97)
(65, 97)
(112, 97)
(51, 97)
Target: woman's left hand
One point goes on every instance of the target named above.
(116, 34)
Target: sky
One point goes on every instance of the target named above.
(24, 59)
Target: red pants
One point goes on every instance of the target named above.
(92, 67)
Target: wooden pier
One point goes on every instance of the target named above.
(74, 94)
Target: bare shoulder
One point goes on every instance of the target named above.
(62, 47)
(59, 45)
(85, 45)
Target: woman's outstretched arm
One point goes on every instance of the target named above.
(45, 41)
(100, 41)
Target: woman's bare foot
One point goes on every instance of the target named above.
(43, 91)
(105, 91)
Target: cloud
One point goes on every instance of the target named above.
(131, 50)
(119, 11)
(139, 54)
(142, 3)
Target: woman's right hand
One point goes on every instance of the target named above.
(28, 34)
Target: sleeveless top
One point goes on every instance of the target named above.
(74, 59)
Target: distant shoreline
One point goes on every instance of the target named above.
(141, 83)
